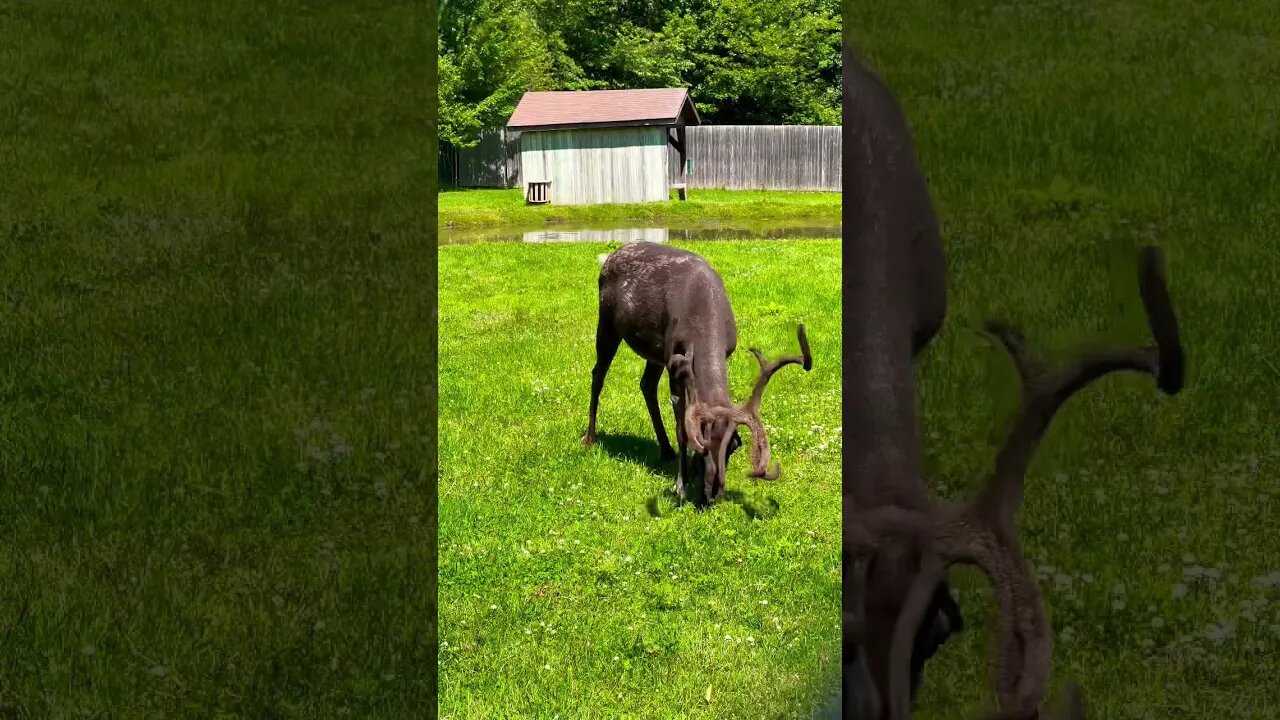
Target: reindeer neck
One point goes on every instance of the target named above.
(880, 434)
(711, 375)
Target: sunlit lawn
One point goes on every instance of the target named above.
(571, 584)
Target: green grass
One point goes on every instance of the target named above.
(216, 358)
(485, 208)
(562, 594)
(1168, 111)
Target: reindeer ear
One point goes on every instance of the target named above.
(680, 365)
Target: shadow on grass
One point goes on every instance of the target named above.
(756, 505)
(644, 451)
(637, 450)
(831, 710)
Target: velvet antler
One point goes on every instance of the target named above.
(983, 532)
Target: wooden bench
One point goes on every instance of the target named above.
(538, 193)
(682, 191)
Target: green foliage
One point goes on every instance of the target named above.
(489, 57)
(746, 61)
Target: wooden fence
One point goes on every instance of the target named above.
(494, 163)
(762, 157)
(737, 157)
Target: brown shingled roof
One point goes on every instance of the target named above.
(586, 108)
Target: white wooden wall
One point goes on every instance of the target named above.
(591, 167)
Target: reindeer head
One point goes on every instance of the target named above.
(712, 429)
(982, 532)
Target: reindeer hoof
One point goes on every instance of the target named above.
(588, 440)
(666, 455)
(680, 489)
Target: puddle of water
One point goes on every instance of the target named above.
(623, 235)
(687, 233)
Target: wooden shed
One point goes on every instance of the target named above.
(602, 146)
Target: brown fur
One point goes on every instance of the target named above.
(671, 308)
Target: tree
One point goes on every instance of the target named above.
(746, 61)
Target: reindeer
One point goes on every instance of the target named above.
(898, 543)
(671, 308)
(887, 195)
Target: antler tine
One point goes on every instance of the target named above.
(1046, 394)
(749, 412)
(1162, 320)
(1025, 649)
(767, 369)
(1015, 345)
(759, 446)
(982, 532)
(680, 366)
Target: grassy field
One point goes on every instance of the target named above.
(571, 585)
(1151, 519)
(216, 361)
(480, 208)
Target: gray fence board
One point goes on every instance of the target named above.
(762, 157)
(494, 163)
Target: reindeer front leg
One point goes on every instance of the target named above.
(678, 409)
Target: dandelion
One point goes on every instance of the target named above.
(547, 666)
